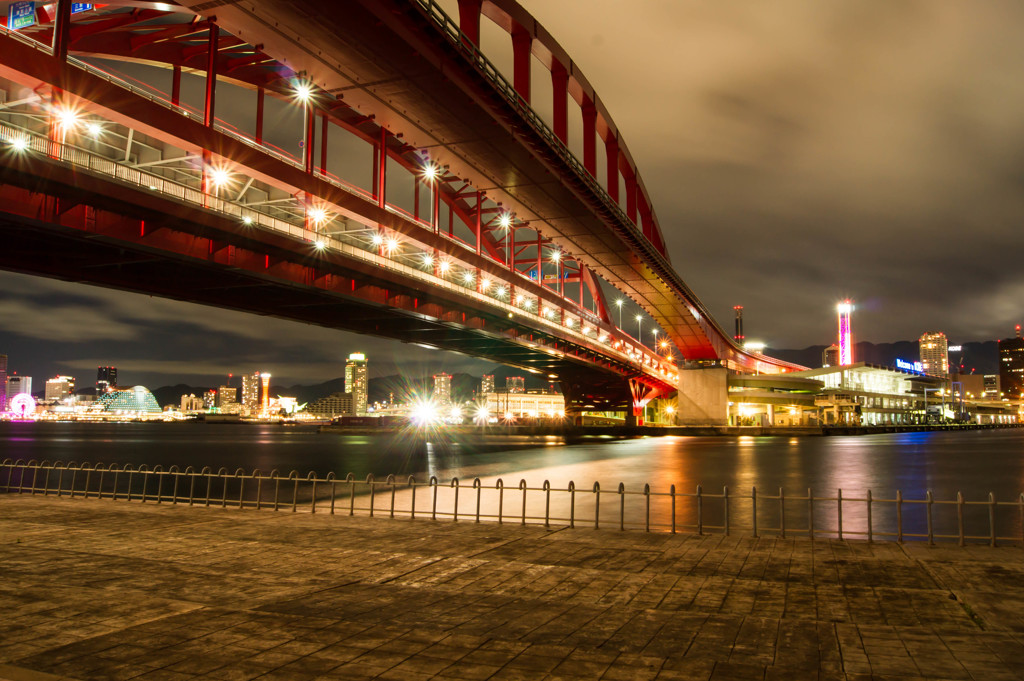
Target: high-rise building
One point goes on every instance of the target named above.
(3, 382)
(515, 384)
(18, 384)
(934, 350)
(106, 379)
(357, 383)
(486, 384)
(226, 396)
(60, 388)
(830, 356)
(209, 399)
(251, 392)
(442, 388)
(1011, 367)
(845, 332)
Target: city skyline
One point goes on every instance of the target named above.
(762, 123)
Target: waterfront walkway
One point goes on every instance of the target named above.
(115, 590)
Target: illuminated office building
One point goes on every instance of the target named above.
(934, 349)
(18, 384)
(60, 388)
(251, 392)
(487, 384)
(1011, 367)
(357, 383)
(442, 388)
(515, 384)
(830, 356)
(226, 397)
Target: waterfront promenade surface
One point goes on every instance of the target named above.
(115, 590)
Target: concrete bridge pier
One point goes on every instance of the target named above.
(703, 397)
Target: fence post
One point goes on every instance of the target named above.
(572, 504)
(500, 486)
(351, 480)
(839, 511)
(276, 477)
(597, 504)
(753, 507)
(455, 508)
(547, 503)
(312, 497)
(433, 507)
(390, 480)
(928, 509)
(725, 507)
(334, 486)
(647, 504)
(870, 533)
(411, 482)
(522, 486)
(622, 507)
(810, 514)
(672, 495)
(476, 486)
(782, 512)
(700, 512)
(960, 517)
(991, 519)
(258, 474)
(191, 472)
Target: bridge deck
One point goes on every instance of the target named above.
(100, 589)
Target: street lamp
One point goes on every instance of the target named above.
(618, 303)
(556, 258)
(639, 328)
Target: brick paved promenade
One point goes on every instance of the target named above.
(116, 590)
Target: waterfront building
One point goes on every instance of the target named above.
(106, 379)
(1011, 367)
(486, 384)
(830, 356)
(251, 392)
(226, 397)
(136, 400)
(515, 384)
(934, 349)
(357, 382)
(442, 388)
(991, 386)
(519, 405)
(209, 399)
(337, 404)
(191, 403)
(59, 388)
(17, 385)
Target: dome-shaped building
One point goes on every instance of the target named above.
(136, 399)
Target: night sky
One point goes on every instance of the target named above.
(796, 153)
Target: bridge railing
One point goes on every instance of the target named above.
(729, 512)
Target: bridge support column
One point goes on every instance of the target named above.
(611, 146)
(522, 44)
(589, 136)
(703, 397)
(469, 19)
(62, 30)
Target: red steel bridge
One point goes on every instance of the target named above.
(357, 164)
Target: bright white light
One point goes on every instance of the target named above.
(482, 414)
(423, 413)
(844, 307)
(519, 300)
(94, 129)
(485, 284)
(505, 220)
(556, 256)
(428, 260)
(444, 266)
(303, 91)
(219, 177)
(528, 304)
(378, 239)
(569, 322)
(639, 317)
(548, 312)
(619, 302)
(67, 118)
(19, 143)
(430, 171)
(456, 414)
(754, 346)
(468, 277)
(391, 245)
(318, 215)
(509, 416)
(247, 220)
(321, 245)
(500, 292)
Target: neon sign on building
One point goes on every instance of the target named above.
(845, 344)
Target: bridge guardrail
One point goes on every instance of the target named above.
(698, 512)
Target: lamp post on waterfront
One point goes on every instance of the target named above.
(639, 329)
(618, 303)
(556, 258)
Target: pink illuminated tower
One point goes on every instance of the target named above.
(845, 343)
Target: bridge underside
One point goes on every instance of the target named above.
(127, 239)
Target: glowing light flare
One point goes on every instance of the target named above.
(219, 177)
(501, 292)
(485, 285)
(247, 220)
(67, 118)
(320, 245)
(378, 239)
(423, 413)
(505, 220)
(482, 414)
(444, 266)
(556, 256)
(391, 245)
(430, 171)
(19, 143)
(468, 277)
(428, 260)
(318, 215)
(94, 130)
(303, 90)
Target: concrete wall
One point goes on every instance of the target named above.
(703, 397)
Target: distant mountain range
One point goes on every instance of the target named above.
(978, 358)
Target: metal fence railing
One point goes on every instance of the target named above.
(727, 512)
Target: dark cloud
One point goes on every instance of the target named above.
(800, 152)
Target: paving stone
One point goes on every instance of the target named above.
(98, 589)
